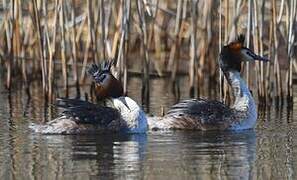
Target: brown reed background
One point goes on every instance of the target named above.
(40, 39)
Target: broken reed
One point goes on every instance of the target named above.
(38, 35)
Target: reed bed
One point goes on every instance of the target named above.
(46, 38)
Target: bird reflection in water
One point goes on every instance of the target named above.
(157, 155)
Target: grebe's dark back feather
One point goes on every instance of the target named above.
(198, 106)
(83, 112)
(200, 114)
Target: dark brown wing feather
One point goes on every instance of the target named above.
(199, 114)
(83, 112)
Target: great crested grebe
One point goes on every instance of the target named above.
(120, 114)
(205, 114)
(124, 114)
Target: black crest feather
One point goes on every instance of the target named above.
(104, 67)
(97, 71)
(93, 70)
(241, 38)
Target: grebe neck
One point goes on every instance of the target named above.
(133, 116)
(244, 104)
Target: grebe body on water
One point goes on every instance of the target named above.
(118, 114)
(206, 114)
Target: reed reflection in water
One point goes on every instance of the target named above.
(266, 153)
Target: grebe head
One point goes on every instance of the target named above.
(132, 114)
(102, 73)
(109, 88)
(234, 53)
(106, 85)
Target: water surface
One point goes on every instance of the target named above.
(268, 152)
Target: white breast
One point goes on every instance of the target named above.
(244, 103)
(133, 115)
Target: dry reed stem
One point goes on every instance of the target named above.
(92, 31)
(9, 42)
(74, 50)
(226, 30)
(36, 16)
(262, 81)
(193, 52)
(78, 29)
(173, 57)
(117, 33)
(52, 51)
(102, 28)
(221, 77)
(63, 46)
(85, 61)
(144, 50)
(248, 37)
(126, 43)
(156, 33)
(23, 44)
(255, 31)
(277, 74)
(291, 38)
